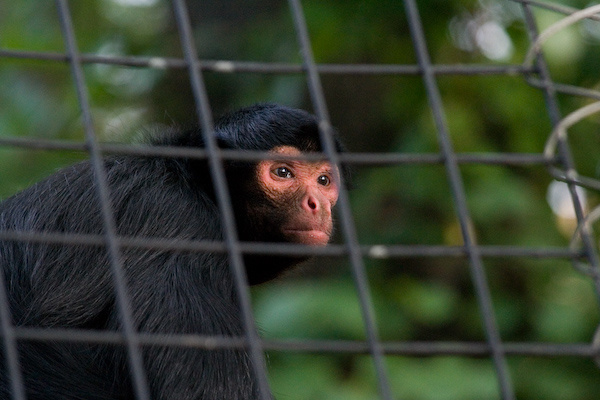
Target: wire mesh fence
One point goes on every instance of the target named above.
(556, 159)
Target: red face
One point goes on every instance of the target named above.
(308, 190)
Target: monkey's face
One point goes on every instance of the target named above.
(299, 197)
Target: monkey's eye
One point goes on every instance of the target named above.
(323, 180)
(283, 172)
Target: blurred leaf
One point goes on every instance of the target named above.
(324, 309)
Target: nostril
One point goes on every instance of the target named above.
(311, 203)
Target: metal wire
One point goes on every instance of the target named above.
(460, 202)
(358, 268)
(134, 356)
(223, 198)
(371, 159)
(563, 148)
(533, 70)
(231, 67)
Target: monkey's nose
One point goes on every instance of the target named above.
(315, 204)
(311, 203)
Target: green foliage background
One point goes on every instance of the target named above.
(416, 299)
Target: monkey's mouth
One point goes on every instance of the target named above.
(313, 237)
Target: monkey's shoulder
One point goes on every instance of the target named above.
(152, 196)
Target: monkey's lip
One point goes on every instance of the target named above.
(315, 237)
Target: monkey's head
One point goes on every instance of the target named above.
(279, 199)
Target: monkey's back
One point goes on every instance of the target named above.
(70, 285)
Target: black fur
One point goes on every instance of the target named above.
(68, 286)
